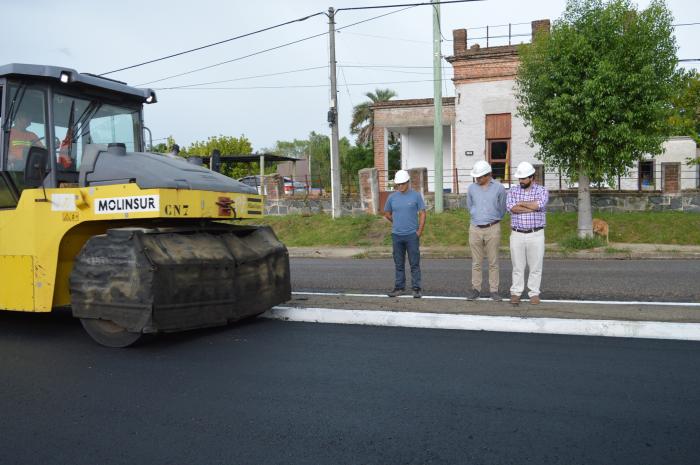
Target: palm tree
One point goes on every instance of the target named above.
(362, 117)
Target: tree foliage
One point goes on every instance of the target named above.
(362, 123)
(596, 91)
(227, 145)
(685, 120)
(164, 147)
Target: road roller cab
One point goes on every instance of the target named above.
(133, 242)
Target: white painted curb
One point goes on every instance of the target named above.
(579, 327)
(441, 297)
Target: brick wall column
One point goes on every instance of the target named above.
(379, 138)
(274, 186)
(459, 41)
(419, 180)
(539, 26)
(369, 190)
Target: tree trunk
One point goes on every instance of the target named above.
(585, 214)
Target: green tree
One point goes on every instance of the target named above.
(164, 147)
(596, 91)
(296, 148)
(686, 105)
(362, 123)
(227, 145)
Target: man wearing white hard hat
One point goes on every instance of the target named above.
(527, 203)
(486, 202)
(405, 210)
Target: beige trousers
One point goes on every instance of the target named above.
(484, 242)
(527, 249)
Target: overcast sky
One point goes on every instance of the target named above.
(98, 37)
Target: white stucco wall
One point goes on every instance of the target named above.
(417, 152)
(476, 100)
(472, 103)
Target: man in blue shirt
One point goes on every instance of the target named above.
(406, 211)
(486, 202)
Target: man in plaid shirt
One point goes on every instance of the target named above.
(527, 203)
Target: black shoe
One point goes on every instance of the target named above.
(395, 293)
(417, 294)
(496, 296)
(473, 295)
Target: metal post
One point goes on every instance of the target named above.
(333, 120)
(437, 101)
(509, 33)
(262, 174)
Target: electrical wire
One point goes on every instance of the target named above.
(373, 7)
(373, 18)
(301, 86)
(272, 48)
(286, 23)
(234, 59)
(244, 78)
(347, 88)
(389, 38)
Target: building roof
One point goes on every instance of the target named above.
(450, 101)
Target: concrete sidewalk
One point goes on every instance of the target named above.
(614, 251)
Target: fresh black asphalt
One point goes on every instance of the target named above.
(272, 392)
(645, 280)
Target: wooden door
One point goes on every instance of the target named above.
(671, 174)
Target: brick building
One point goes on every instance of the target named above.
(481, 123)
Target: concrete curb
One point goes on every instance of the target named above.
(605, 328)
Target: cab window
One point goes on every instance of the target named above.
(27, 127)
(7, 199)
(116, 124)
(71, 129)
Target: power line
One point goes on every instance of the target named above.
(273, 48)
(214, 43)
(389, 38)
(234, 59)
(347, 88)
(286, 23)
(243, 78)
(374, 17)
(302, 86)
(373, 7)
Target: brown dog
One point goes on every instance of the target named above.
(601, 228)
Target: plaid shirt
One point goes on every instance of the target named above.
(535, 193)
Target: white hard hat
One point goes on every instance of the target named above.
(401, 177)
(525, 170)
(480, 168)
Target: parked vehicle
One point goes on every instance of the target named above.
(290, 186)
(294, 187)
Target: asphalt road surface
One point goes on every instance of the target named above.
(272, 392)
(645, 280)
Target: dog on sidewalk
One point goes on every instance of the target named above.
(601, 228)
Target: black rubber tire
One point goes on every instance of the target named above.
(108, 333)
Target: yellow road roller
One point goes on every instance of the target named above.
(132, 242)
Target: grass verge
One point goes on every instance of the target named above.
(451, 229)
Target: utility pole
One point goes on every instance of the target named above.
(333, 122)
(437, 101)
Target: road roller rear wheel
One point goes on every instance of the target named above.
(108, 333)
